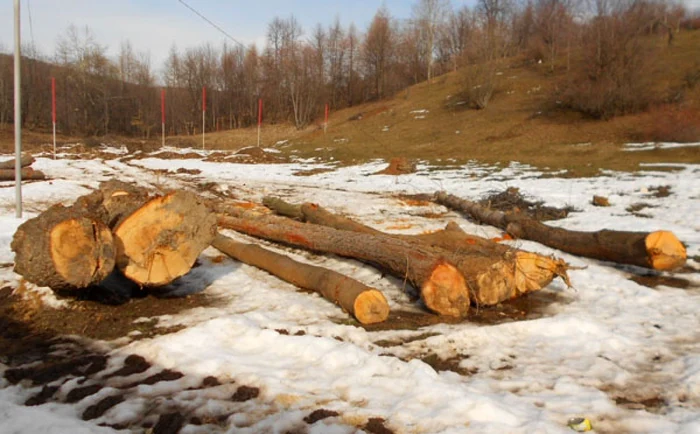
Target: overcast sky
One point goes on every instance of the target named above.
(155, 25)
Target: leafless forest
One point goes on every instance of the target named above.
(601, 45)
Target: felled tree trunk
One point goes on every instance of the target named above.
(25, 161)
(442, 286)
(366, 304)
(64, 248)
(494, 272)
(660, 250)
(27, 174)
(157, 238)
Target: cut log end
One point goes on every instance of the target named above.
(446, 292)
(665, 251)
(533, 272)
(81, 251)
(371, 307)
(160, 241)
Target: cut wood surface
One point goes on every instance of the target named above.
(442, 287)
(660, 250)
(366, 304)
(27, 174)
(64, 248)
(494, 272)
(158, 238)
(25, 160)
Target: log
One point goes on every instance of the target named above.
(158, 238)
(442, 286)
(660, 250)
(25, 161)
(366, 304)
(494, 272)
(64, 248)
(27, 174)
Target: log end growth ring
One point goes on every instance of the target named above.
(161, 240)
(82, 251)
(665, 251)
(446, 292)
(370, 307)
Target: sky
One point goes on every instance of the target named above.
(155, 25)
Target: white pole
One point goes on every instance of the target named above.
(258, 135)
(203, 126)
(54, 140)
(18, 118)
(162, 133)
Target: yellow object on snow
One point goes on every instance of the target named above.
(580, 424)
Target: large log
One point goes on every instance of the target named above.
(64, 248)
(25, 161)
(27, 174)
(494, 272)
(366, 304)
(442, 286)
(660, 250)
(158, 238)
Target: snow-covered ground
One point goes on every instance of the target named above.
(607, 339)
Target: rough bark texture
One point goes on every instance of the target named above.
(494, 272)
(25, 160)
(366, 304)
(659, 250)
(442, 286)
(27, 174)
(64, 248)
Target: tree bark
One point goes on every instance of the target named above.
(441, 285)
(494, 272)
(366, 304)
(27, 174)
(26, 160)
(64, 248)
(660, 250)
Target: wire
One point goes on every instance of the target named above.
(212, 23)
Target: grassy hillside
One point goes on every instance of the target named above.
(522, 123)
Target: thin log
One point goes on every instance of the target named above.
(27, 174)
(442, 286)
(64, 248)
(660, 250)
(494, 272)
(25, 161)
(366, 304)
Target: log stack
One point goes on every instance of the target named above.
(7, 169)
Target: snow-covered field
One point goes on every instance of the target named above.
(600, 351)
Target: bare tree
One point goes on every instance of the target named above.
(378, 50)
(430, 16)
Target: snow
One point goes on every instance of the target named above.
(607, 338)
(649, 146)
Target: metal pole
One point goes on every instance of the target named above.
(18, 117)
(259, 118)
(204, 112)
(162, 117)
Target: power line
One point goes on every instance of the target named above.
(212, 23)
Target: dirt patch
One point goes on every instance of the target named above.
(635, 209)
(169, 423)
(449, 364)
(245, 393)
(653, 281)
(398, 166)
(652, 404)
(97, 410)
(312, 171)
(660, 191)
(511, 200)
(376, 426)
(319, 414)
(132, 365)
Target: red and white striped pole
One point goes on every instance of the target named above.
(259, 118)
(204, 112)
(162, 116)
(53, 113)
(325, 122)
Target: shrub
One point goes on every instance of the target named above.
(674, 124)
(479, 84)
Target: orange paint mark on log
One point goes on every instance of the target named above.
(504, 237)
(218, 259)
(297, 239)
(245, 205)
(400, 226)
